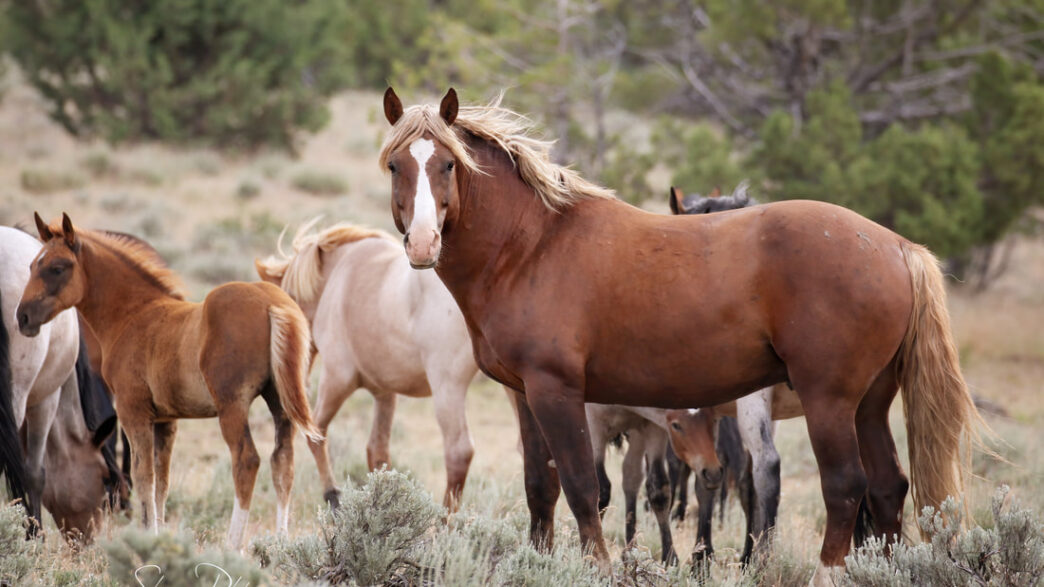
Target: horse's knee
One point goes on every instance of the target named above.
(844, 489)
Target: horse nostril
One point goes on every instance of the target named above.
(406, 239)
(23, 319)
(713, 476)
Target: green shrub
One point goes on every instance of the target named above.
(1010, 553)
(18, 556)
(377, 536)
(40, 181)
(319, 183)
(225, 72)
(137, 555)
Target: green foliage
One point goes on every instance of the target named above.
(378, 534)
(227, 72)
(137, 555)
(319, 183)
(18, 556)
(701, 157)
(1011, 553)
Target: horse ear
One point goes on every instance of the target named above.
(716, 192)
(448, 107)
(104, 431)
(676, 199)
(392, 106)
(42, 228)
(69, 232)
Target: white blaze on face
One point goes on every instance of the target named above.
(425, 217)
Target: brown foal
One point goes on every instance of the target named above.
(166, 358)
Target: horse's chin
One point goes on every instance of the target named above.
(29, 330)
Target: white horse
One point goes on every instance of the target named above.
(353, 284)
(63, 465)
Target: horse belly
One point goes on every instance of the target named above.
(188, 398)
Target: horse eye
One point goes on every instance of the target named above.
(676, 426)
(449, 166)
(56, 270)
(391, 167)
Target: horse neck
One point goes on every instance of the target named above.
(501, 221)
(70, 426)
(114, 292)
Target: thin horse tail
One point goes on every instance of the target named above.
(939, 410)
(290, 346)
(12, 462)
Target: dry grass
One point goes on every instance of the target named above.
(186, 201)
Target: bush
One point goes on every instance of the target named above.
(379, 534)
(319, 183)
(17, 555)
(1009, 553)
(226, 72)
(40, 181)
(137, 555)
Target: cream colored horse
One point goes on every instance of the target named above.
(353, 284)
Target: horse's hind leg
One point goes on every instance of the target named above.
(245, 462)
(456, 439)
(377, 453)
(38, 421)
(336, 383)
(282, 458)
(163, 437)
(541, 479)
(887, 483)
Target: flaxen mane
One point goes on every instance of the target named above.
(139, 256)
(302, 270)
(558, 187)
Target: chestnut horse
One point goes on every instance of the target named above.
(166, 358)
(377, 324)
(571, 295)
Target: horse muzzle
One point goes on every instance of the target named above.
(423, 250)
(713, 477)
(30, 318)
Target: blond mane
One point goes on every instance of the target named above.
(301, 271)
(558, 187)
(136, 253)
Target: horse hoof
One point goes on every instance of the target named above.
(333, 498)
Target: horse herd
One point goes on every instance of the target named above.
(598, 318)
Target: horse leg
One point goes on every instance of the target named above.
(282, 459)
(887, 483)
(377, 453)
(749, 504)
(141, 432)
(754, 419)
(830, 417)
(163, 438)
(38, 421)
(703, 550)
(541, 479)
(678, 473)
(245, 462)
(599, 439)
(559, 411)
(456, 439)
(657, 489)
(633, 474)
(334, 388)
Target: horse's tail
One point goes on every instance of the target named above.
(12, 462)
(290, 346)
(939, 410)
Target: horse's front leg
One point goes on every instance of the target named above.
(457, 446)
(558, 407)
(163, 437)
(542, 487)
(38, 420)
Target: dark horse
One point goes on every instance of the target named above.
(571, 295)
